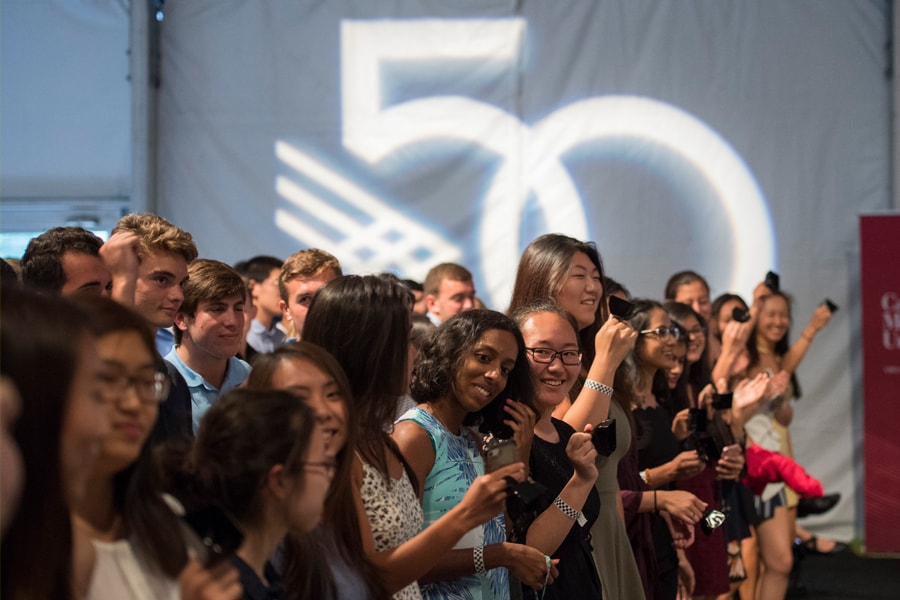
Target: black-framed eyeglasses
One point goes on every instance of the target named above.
(548, 355)
(329, 467)
(663, 333)
(151, 388)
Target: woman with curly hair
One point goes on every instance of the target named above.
(472, 371)
(364, 322)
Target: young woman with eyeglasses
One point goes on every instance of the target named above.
(328, 562)
(563, 460)
(707, 554)
(260, 457)
(137, 550)
(569, 271)
(654, 460)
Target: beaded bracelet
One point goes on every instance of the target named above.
(478, 559)
(575, 515)
(598, 387)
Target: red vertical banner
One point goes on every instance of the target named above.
(880, 274)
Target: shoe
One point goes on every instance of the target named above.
(811, 546)
(817, 506)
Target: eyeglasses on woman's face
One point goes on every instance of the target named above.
(663, 333)
(151, 387)
(548, 355)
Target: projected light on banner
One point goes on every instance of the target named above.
(325, 207)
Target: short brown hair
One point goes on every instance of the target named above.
(439, 273)
(155, 234)
(209, 280)
(306, 263)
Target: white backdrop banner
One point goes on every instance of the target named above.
(730, 138)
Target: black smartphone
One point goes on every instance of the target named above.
(208, 532)
(832, 307)
(741, 315)
(620, 309)
(723, 401)
(603, 435)
(773, 281)
(697, 419)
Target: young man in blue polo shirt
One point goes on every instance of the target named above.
(209, 329)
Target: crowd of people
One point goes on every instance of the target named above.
(176, 427)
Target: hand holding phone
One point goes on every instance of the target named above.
(209, 533)
(499, 453)
(620, 309)
(603, 436)
(741, 315)
(832, 307)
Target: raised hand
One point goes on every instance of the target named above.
(583, 456)
(521, 421)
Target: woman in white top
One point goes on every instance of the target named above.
(137, 548)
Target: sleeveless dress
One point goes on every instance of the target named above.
(612, 550)
(394, 514)
(457, 463)
(549, 465)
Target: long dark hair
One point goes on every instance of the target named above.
(40, 339)
(443, 352)
(152, 527)
(241, 437)
(541, 274)
(781, 346)
(629, 372)
(363, 321)
(304, 570)
(699, 373)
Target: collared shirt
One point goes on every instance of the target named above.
(203, 394)
(434, 320)
(265, 340)
(165, 340)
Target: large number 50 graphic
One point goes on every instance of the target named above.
(531, 154)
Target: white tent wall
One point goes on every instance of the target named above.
(726, 137)
(65, 114)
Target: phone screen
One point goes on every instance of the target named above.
(499, 455)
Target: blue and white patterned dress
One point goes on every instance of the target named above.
(457, 463)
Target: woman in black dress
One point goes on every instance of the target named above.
(563, 460)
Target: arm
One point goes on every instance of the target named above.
(734, 344)
(685, 465)
(678, 503)
(820, 318)
(526, 563)
(410, 560)
(521, 421)
(120, 255)
(552, 526)
(612, 344)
